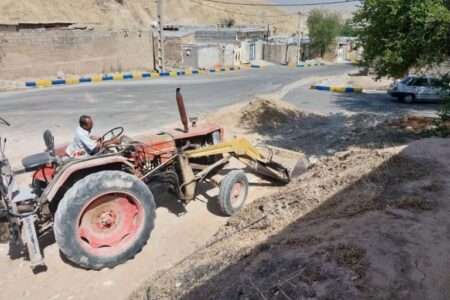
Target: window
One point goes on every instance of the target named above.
(406, 79)
(421, 81)
(434, 82)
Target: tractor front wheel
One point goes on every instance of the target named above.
(233, 192)
(104, 219)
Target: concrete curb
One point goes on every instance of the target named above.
(291, 65)
(128, 76)
(257, 66)
(337, 89)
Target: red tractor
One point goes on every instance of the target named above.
(102, 207)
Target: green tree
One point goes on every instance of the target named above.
(398, 35)
(323, 27)
(348, 29)
(401, 34)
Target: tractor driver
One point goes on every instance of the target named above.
(84, 142)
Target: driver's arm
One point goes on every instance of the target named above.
(93, 147)
(115, 141)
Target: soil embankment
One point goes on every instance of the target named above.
(368, 220)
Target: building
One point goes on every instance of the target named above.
(38, 26)
(204, 46)
(347, 49)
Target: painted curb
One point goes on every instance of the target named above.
(127, 76)
(337, 89)
(291, 65)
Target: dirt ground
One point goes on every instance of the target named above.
(278, 123)
(326, 235)
(377, 230)
(367, 82)
(368, 220)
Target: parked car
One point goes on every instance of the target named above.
(423, 88)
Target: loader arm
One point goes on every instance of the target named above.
(248, 154)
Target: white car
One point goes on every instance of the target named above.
(411, 88)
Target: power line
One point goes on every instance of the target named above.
(291, 4)
(239, 13)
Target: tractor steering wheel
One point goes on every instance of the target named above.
(115, 133)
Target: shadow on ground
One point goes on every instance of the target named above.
(324, 135)
(381, 104)
(351, 245)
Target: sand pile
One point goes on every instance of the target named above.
(357, 225)
(264, 113)
(257, 113)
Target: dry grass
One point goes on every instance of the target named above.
(414, 203)
(350, 256)
(313, 272)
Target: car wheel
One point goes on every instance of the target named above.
(409, 98)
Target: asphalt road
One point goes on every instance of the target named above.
(370, 102)
(145, 105)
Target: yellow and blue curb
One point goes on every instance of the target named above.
(337, 89)
(292, 65)
(129, 76)
(257, 66)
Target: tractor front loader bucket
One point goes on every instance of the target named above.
(296, 163)
(273, 162)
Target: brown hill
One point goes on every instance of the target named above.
(138, 14)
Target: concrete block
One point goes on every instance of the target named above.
(97, 78)
(72, 81)
(43, 83)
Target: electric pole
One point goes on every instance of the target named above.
(161, 66)
(300, 37)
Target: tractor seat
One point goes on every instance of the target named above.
(37, 161)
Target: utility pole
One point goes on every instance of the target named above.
(300, 37)
(161, 64)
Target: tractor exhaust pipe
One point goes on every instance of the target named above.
(182, 110)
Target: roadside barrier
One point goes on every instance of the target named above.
(337, 89)
(291, 65)
(128, 76)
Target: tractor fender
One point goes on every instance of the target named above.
(78, 165)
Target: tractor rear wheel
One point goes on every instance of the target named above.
(233, 192)
(104, 219)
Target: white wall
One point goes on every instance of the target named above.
(208, 57)
(228, 57)
(259, 50)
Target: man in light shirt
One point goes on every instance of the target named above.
(84, 142)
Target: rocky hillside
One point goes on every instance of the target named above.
(135, 14)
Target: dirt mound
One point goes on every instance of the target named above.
(265, 114)
(254, 117)
(278, 123)
(349, 228)
(415, 123)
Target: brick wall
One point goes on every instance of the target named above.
(43, 54)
